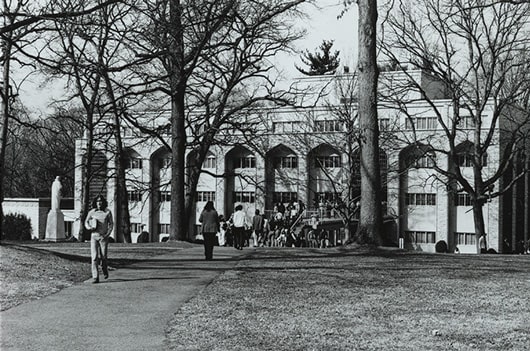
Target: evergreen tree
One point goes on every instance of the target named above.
(321, 62)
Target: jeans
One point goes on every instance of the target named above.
(209, 242)
(98, 252)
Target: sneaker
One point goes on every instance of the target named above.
(95, 281)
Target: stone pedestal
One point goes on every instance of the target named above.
(55, 226)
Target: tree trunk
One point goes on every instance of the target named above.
(478, 218)
(177, 81)
(5, 120)
(123, 227)
(369, 231)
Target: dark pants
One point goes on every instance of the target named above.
(239, 237)
(209, 242)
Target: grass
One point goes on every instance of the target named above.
(316, 299)
(349, 300)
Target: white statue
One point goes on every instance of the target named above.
(56, 193)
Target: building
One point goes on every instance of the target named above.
(302, 154)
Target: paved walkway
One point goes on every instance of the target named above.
(129, 311)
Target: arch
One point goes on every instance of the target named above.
(240, 182)
(281, 176)
(417, 155)
(465, 154)
(132, 159)
(160, 161)
(324, 167)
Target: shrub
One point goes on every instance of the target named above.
(16, 227)
(441, 246)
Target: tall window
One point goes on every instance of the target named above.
(209, 162)
(136, 227)
(284, 197)
(427, 160)
(286, 162)
(244, 196)
(465, 238)
(329, 126)
(134, 195)
(133, 163)
(420, 237)
(420, 199)
(203, 196)
(384, 123)
(331, 161)
(246, 162)
(466, 160)
(463, 199)
(421, 123)
(163, 228)
(164, 196)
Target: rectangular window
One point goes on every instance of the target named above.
(286, 162)
(163, 228)
(463, 199)
(384, 123)
(327, 197)
(210, 162)
(164, 196)
(246, 162)
(244, 196)
(136, 227)
(465, 238)
(421, 123)
(329, 126)
(284, 197)
(133, 163)
(420, 237)
(134, 196)
(413, 199)
(204, 196)
(332, 161)
(286, 127)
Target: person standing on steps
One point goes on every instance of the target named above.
(99, 222)
(210, 226)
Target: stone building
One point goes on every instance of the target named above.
(302, 154)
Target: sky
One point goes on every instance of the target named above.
(321, 24)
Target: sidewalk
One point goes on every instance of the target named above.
(129, 311)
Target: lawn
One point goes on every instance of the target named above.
(336, 299)
(316, 299)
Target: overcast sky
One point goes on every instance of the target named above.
(321, 24)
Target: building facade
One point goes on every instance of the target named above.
(304, 154)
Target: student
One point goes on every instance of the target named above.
(210, 226)
(239, 222)
(99, 222)
(257, 228)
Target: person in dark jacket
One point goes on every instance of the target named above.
(210, 226)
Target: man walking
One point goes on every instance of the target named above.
(257, 228)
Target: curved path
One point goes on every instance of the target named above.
(129, 311)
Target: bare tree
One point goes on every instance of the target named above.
(479, 51)
(370, 219)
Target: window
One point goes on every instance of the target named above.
(420, 199)
(136, 227)
(465, 238)
(327, 197)
(209, 162)
(466, 122)
(204, 196)
(427, 160)
(332, 161)
(68, 228)
(163, 228)
(244, 196)
(421, 123)
(164, 196)
(329, 126)
(286, 162)
(463, 199)
(133, 163)
(284, 197)
(134, 196)
(420, 237)
(466, 160)
(286, 127)
(246, 162)
(384, 123)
